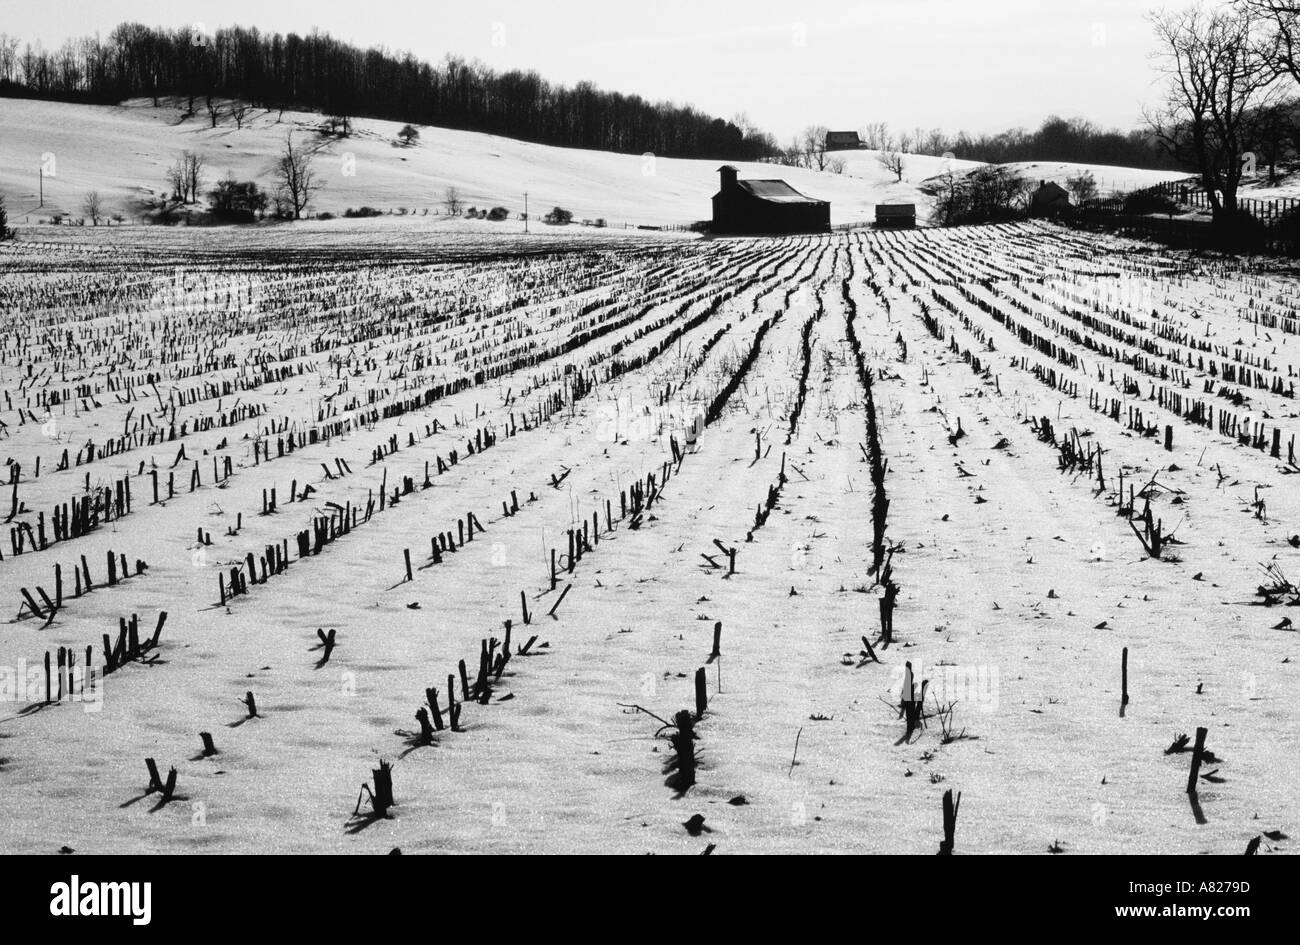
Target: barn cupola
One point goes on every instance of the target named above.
(728, 176)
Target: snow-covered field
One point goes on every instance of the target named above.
(629, 439)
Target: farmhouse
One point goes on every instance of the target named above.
(1049, 199)
(843, 141)
(896, 215)
(766, 206)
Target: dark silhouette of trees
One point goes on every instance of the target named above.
(316, 72)
(1057, 139)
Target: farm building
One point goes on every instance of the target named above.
(897, 215)
(843, 141)
(1049, 199)
(766, 206)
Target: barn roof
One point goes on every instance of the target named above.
(775, 191)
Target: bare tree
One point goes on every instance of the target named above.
(794, 155)
(408, 135)
(1278, 33)
(296, 178)
(93, 206)
(1082, 186)
(1217, 77)
(813, 141)
(185, 177)
(240, 112)
(946, 191)
(451, 200)
(876, 136)
(936, 142)
(892, 161)
(176, 180)
(194, 164)
(213, 108)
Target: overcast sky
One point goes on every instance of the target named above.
(979, 65)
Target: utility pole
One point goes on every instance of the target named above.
(525, 211)
(41, 172)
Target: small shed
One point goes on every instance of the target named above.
(766, 206)
(896, 215)
(1049, 199)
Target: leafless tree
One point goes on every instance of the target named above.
(451, 200)
(213, 108)
(93, 206)
(936, 143)
(240, 112)
(794, 155)
(892, 161)
(185, 177)
(1082, 186)
(1277, 25)
(194, 165)
(176, 180)
(813, 141)
(876, 136)
(1217, 77)
(296, 178)
(835, 165)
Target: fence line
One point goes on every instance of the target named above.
(1261, 226)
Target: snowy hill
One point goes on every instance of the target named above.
(123, 152)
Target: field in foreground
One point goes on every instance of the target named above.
(599, 451)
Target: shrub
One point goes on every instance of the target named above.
(559, 215)
(233, 201)
(6, 233)
(497, 214)
(1149, 203)
(989, 194)
(362, 212)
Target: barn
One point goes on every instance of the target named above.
(896, 215)
(766, 206)
(843, 141)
